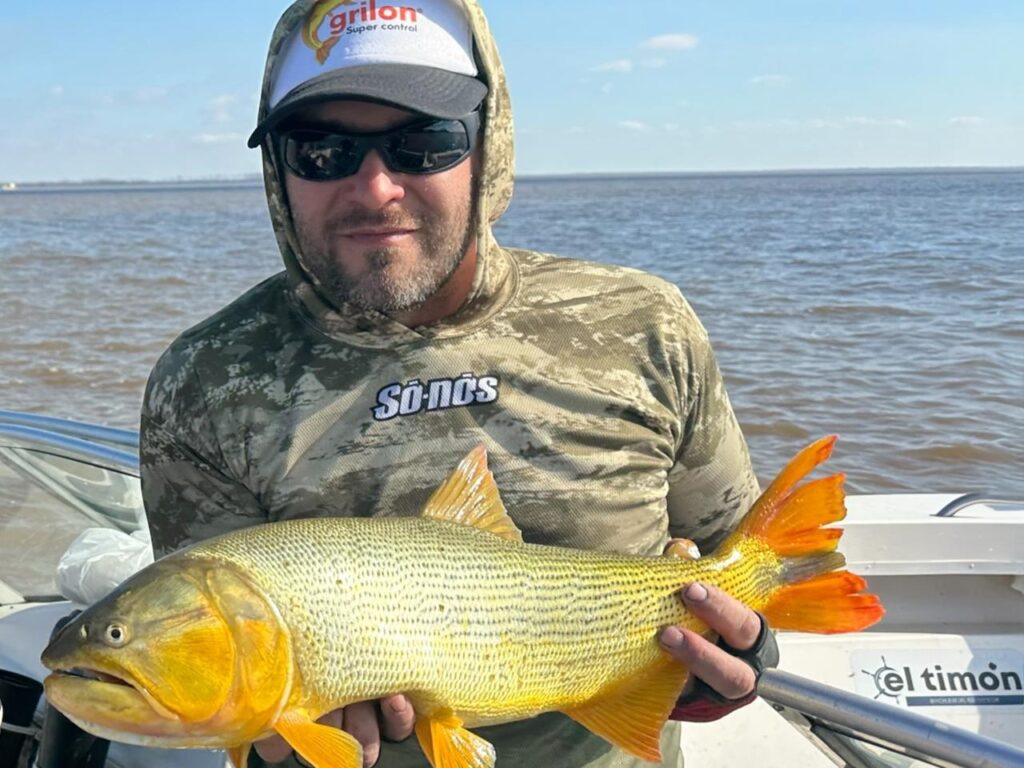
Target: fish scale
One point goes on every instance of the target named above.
(518, 606)
(400, 604)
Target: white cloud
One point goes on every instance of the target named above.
(672, 127)
(220, 107)
(781, 124)
(618, 65)
(762, 125)
(677, 42)
(574, 130)
(218, 138)
(145, 95)
(874, 122)
(770, 80)
(56, 90)
(654, 63)
(133, 97)
(967, 120)
(634, 125)
(607, 88)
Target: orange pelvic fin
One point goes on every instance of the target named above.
(321, 745)
(815, 596)
(632, 714)
(470, 497)
(239, 756)
(448, 745)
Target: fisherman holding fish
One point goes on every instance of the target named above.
(401, 334)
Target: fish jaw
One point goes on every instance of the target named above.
(116, 711)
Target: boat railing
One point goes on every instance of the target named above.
(974, 499)
(16, 436)
(124, 438)
(858, 730)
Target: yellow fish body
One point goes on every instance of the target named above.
(265, 629)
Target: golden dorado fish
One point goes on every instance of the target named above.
(265, 629)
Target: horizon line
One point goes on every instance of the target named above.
(14, 185)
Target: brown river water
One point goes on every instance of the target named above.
(887, 307)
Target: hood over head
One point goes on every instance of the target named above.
(441, 90)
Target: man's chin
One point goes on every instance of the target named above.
(388, 300)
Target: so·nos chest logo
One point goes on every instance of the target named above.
(943, 678)
(414, 397)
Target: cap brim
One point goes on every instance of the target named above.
(427, 90)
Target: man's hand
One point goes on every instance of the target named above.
(738, 625)
(732, 678)
(391, 718)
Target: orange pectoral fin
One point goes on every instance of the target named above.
(448, 745)
(321, 745)
(239, 756)
(632, 714)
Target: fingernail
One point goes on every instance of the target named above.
(694, 551)
(696, 593)
(673, 637)
(397, 706)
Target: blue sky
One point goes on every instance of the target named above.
(129, 90)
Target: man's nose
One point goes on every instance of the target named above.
(375, 185)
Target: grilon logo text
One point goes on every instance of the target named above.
(344, 19)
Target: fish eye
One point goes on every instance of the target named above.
(116, 635)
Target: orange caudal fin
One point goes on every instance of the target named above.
(828, 603)
(815, 596)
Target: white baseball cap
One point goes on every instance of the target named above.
(418, 58)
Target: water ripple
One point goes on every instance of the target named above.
(884, 307)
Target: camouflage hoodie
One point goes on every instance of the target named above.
(593, 387)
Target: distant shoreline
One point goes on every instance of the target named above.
(257, 180)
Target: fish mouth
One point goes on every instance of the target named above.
(94, 674)
(109, 705)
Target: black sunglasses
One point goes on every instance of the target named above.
(428, 146)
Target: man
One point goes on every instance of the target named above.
(401, 335)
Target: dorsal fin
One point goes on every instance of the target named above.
(470, 497)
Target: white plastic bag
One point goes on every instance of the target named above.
(100, 559)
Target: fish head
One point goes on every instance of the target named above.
(185, 653)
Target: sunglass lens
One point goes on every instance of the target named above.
(320, 156)
(427, 148)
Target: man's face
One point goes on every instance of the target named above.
(379, 239)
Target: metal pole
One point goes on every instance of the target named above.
(923, 735)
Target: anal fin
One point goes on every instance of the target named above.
(632, 714)
(448, 745)
(320, 745)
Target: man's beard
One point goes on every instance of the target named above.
(442, 243)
